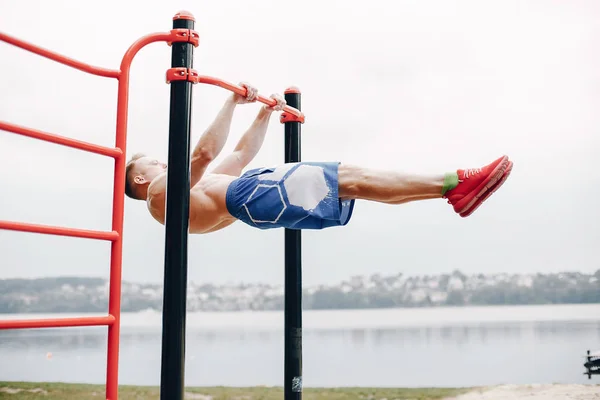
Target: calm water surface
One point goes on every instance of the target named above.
(393, 347)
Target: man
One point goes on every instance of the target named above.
(307, 195)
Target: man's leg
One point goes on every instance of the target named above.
(389, 187)
(465, 189)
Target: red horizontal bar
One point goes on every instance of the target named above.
(55, 322)
(60, 231)
(64, 141)
(242, 92)
(90, 69)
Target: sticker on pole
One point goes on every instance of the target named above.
(297, 384)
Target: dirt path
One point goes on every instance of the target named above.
(534, 392)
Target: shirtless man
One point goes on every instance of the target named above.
(306, 195)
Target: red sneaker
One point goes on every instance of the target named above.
(476, 185)
(489, 192)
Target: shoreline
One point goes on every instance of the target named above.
(72, 391)
(66, 391)
(374, 318)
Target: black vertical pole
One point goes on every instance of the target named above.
(177, 222)
(293, 272)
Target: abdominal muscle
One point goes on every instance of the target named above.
(208, 208)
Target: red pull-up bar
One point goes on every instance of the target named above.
(186, 74)
(243, 91)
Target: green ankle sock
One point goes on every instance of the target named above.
(450, 182)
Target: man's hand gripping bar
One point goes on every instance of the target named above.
(185, 74)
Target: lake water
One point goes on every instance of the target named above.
(392, 347)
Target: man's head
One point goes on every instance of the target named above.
(140, 171)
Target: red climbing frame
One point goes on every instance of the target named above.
(115, 236)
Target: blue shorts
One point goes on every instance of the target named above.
(294, 195)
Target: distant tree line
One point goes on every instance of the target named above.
(74, 294)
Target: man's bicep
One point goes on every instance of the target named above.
(198, 166)
(232, 165)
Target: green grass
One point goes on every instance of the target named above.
(67, 391)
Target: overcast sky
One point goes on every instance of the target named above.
(420, 86)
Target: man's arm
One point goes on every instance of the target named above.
(251, 142)
(213, 139)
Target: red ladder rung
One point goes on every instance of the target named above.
(56, 322)
(59, 231)
(40, 51)
(64, 141)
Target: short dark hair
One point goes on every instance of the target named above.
(129, 186)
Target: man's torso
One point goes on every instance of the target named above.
(208, 208)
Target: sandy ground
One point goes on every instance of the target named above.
(534, 392)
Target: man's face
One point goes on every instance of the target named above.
(146, 169)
